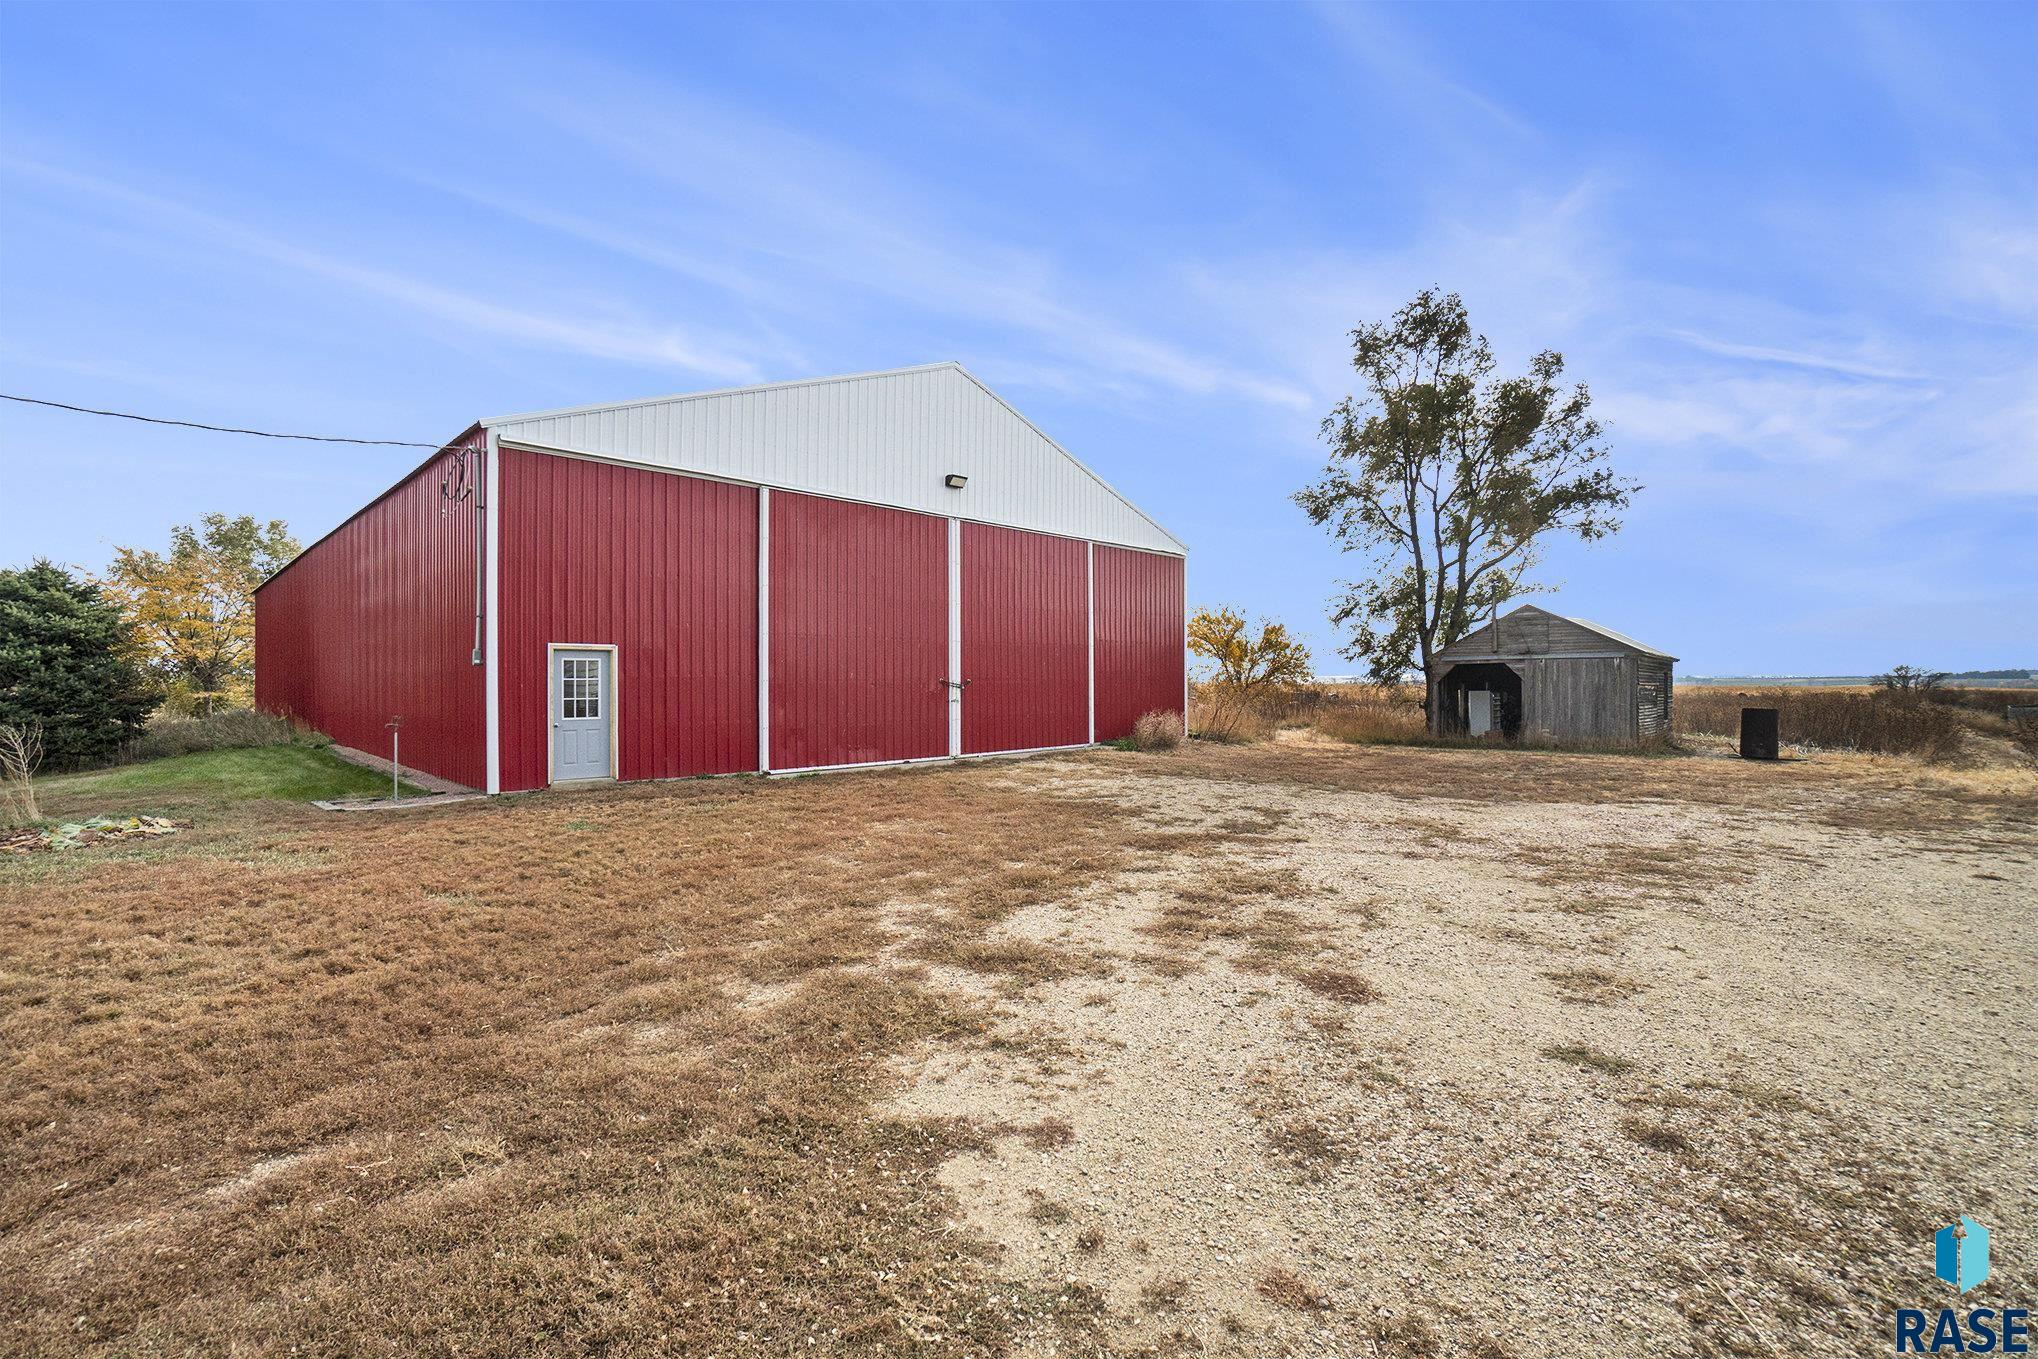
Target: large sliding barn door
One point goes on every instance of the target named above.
(859, 633)
(1025, 640)
(1140, 654)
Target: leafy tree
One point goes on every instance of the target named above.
(68, 664)
(194, 610)
(1245, 662)
(1446, 478)
(1249, 666)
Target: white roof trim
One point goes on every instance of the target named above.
(601, 406)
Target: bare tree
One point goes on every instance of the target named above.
(20, 758)
(1911, 681)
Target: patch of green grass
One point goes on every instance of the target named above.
(291, 773)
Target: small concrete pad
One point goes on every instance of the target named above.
(416, 778)
(384, 804)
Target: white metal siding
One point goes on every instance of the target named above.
(884, 438)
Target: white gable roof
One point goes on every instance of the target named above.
(887, 438)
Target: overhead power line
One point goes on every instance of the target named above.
(218, 429)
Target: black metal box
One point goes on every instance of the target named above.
(1758, 734)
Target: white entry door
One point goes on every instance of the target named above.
(1479, 711)
(581, 715)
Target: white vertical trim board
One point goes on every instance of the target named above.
(1090, 604)
(955, 680)
(614, 698)
(764, 629)
(491, 680)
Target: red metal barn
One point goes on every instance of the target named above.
(859, 570)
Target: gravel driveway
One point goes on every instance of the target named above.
(1409, 1065)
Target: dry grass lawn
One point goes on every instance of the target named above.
(1289, 1048)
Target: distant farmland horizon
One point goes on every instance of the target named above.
(2015, 678)
(1965, 679)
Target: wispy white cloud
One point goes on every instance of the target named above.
(1794, 358)
(1945, 96)
(1397, 65)
(1847, 421)
(799, 212)
(616, 339)
(1536, 270)
(658, 250)
(1991, 259)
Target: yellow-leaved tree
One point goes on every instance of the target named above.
(1247, 662)
(1249, 666)
(193, 609)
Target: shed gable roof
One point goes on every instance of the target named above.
(888, 437)
(1530, 631)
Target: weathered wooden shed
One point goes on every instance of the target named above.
(1534, 673)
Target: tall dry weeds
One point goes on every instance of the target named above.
(230, 729)
(21, 750)
(1828, 719)
(1359, 713)
(1366, 715)
(1158, 730)
(2024, 738)
(1223, 712)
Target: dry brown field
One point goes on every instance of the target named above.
(1291, 1048)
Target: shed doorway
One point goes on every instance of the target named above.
(1480, 699)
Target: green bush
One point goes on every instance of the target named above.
(67, 664)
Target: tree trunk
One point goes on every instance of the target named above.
(1429, 703)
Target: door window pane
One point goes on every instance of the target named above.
(580, 687)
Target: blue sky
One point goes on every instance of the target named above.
(1794, 251)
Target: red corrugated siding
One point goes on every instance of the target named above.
(859, 633)
(664, 568)
(1141, 606)
(375, 621)
(1025, 640)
